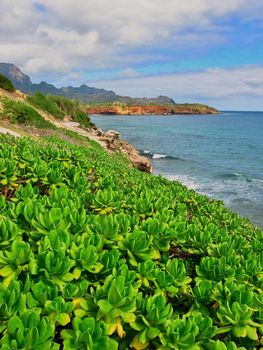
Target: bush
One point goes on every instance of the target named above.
(6, 84)
(46, 103)
(83, 119)
(21, 113)
(59, 107)
(73, 108)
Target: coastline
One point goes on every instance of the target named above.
(165, 109)
(143, 161)
(186, 147)
(111, 142)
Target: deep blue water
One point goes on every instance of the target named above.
(220, 156)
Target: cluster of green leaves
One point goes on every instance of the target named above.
(96, 255)
(60, 107)
(22, 113)
(6, 84)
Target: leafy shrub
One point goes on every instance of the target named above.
(96, 255)
(6, 84)
(73, 109)
(21, 113)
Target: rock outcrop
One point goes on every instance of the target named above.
(112, 142)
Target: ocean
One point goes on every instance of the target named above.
(220, 156)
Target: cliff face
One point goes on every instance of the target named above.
(151, 109)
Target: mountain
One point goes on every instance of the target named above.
(82, 93)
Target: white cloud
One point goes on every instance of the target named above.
(129, 73)
(59, 40)
(48, 35)
(238, 88)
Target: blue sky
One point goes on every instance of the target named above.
(239, 43)
(193, 50)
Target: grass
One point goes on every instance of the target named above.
(60, 107)
(6, 84)
(46, 103)
(22, 113)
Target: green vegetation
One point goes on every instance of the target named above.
(60, 107)
(96, 255)
(22, 113)
(6, 84)
(46, 103)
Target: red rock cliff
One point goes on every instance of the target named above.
(150, 109)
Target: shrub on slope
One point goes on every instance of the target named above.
(46, 103)
(21, 113)
(59, 107)
(6, 84)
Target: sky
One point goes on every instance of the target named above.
(207, 51)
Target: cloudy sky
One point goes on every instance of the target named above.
(207, 51)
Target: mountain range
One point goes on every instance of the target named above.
(82, 93)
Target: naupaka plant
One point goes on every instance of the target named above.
(96, 255)
(119, 306)
(15, 261)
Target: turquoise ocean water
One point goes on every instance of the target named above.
(220, 156)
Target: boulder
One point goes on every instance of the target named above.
(112, 134)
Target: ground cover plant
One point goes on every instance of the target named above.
(96, 255)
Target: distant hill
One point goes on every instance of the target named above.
(82, 93)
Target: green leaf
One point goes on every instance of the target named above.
(95, 268)
(13, 325)
(63, 319)
(104, 306)
(251, 332)
(68, 334)
(240, 331)
(152, 332)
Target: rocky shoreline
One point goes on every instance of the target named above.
(112, 142)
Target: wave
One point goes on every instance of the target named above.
(232, 192)
(235, 177)
(257, 181)
(185, 180)
(158, 156)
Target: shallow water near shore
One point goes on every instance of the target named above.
(220, 155)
